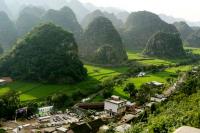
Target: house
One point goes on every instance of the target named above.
(22, 129)
(7, 79)
(187, 129)
(149, 104)
(49, 130)
(44, 119)
(128, 118)
(115, 106)
(130, 106)
(141, 74)
(156, 83)
(61, 130)
(122, 128)
(2, 82)
(18, 129)
(95, 106)
(158, 100)
(45, 111)
(90, 127)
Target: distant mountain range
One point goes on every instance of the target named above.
(80, 9)
(170, 19)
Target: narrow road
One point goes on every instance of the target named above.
(173, 88)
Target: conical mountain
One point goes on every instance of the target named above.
(97, 13)
(46, 54)
(65, 18)
(165, 45)
(4, 7)
(79, 9)
(194, 39)
(102, 43)
(29, 18)
(8, 32)
(184, 29)
(140, 26)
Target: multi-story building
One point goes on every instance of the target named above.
(115, 106)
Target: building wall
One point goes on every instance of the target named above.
(111, 106)
(116, 108)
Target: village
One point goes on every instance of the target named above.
(114, 113)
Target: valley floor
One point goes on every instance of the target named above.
(97, 74)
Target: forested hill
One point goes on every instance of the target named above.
(140, 26)
(165, 45)
(46, 54)
(28, 18)
(65, 18)
(97, 13)
(184, 29)
(102, 43)
(8, 32)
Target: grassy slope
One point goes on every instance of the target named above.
(180, 111)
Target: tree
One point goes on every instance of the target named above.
(60, 100)
(47, 54)
(131, 89)
(144, 94)
(9, 103)
(102, 45)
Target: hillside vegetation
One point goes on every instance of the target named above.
(65, 18)
(8, 32)
(165, 45)
(181, 109)
(28, 18)
(140, 26)
(97, 13)
(102, 45)
(46, 54)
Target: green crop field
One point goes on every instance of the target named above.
(159, 77)
(33, 91)
(193, 50)
(96, 74)
(137, 56)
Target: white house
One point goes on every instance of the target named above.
(122, 128)
(141, 74)
(156, 83)
(115, 105)
(2, 82)
(44, 111)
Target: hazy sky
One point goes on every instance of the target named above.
(187, 9)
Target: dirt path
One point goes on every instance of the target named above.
(173, 88)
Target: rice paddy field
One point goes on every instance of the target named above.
(36, 91)
(96, 74)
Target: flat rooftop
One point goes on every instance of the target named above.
(187, 129)
(115, 101)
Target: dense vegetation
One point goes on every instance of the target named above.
(194, 39)
(46, 54)
(181, 109)
(184, 29)
(168, 45)
(102, 45)
(8, 32)
(28, 18)
(140, 26)
(65, 18)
